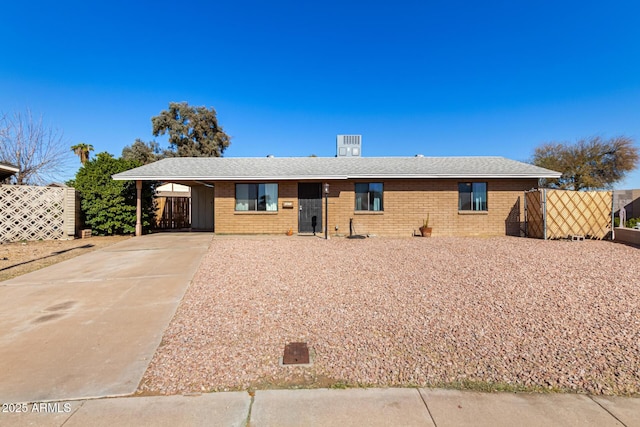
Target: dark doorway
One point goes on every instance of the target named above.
(310, 207)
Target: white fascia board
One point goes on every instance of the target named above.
(454, 176)
(226, 178)
(281, 178)
(9, 168)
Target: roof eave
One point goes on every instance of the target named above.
(454, 176)
(119, 177)
(8, 168)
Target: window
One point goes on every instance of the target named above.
(369, 196)
(472, 196)
(257, 197)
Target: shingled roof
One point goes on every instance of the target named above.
(329, 168)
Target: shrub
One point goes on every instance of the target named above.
(109, 206)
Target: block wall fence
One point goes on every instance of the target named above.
(38, 213)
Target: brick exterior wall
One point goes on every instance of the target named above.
(406, 204)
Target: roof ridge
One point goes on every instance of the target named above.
(348, 158)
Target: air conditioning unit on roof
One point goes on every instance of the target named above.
(349, 146)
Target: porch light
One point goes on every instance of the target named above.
(326, 188)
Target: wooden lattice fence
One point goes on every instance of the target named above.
(559, 214)
(37, 213)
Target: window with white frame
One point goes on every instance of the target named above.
(257, 197)
(369, 196)
(472, 196)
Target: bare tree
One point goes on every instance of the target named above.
(39, 151)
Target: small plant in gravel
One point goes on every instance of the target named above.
(339, 385)
(490, 387)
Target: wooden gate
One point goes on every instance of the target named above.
(173, 213)
(533, 215)
(559, 214)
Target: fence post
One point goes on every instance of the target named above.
(544, 213)
(526, 216)
(613, 228)
(69, 209)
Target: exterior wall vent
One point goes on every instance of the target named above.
(349, 146)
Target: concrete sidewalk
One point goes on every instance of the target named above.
(88, 327)
(351, 407)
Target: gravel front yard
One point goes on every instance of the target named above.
(503, 313)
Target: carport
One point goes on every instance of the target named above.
(202, 203)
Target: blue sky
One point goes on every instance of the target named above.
(437, 78)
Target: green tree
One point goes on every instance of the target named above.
(82, 150)
(589, 164)
(193, 131)
(109, 206)
(142, 152)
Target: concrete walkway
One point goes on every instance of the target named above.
(351, 407)
(88, 327)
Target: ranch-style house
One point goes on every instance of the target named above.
(384, 196)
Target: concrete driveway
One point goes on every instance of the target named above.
(88, 327)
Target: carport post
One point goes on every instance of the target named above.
(138, 208)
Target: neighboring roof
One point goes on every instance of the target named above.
(172, 187)
(297, 168)
(173, 190)
(6, 170)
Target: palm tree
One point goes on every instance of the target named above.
(82, 150)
